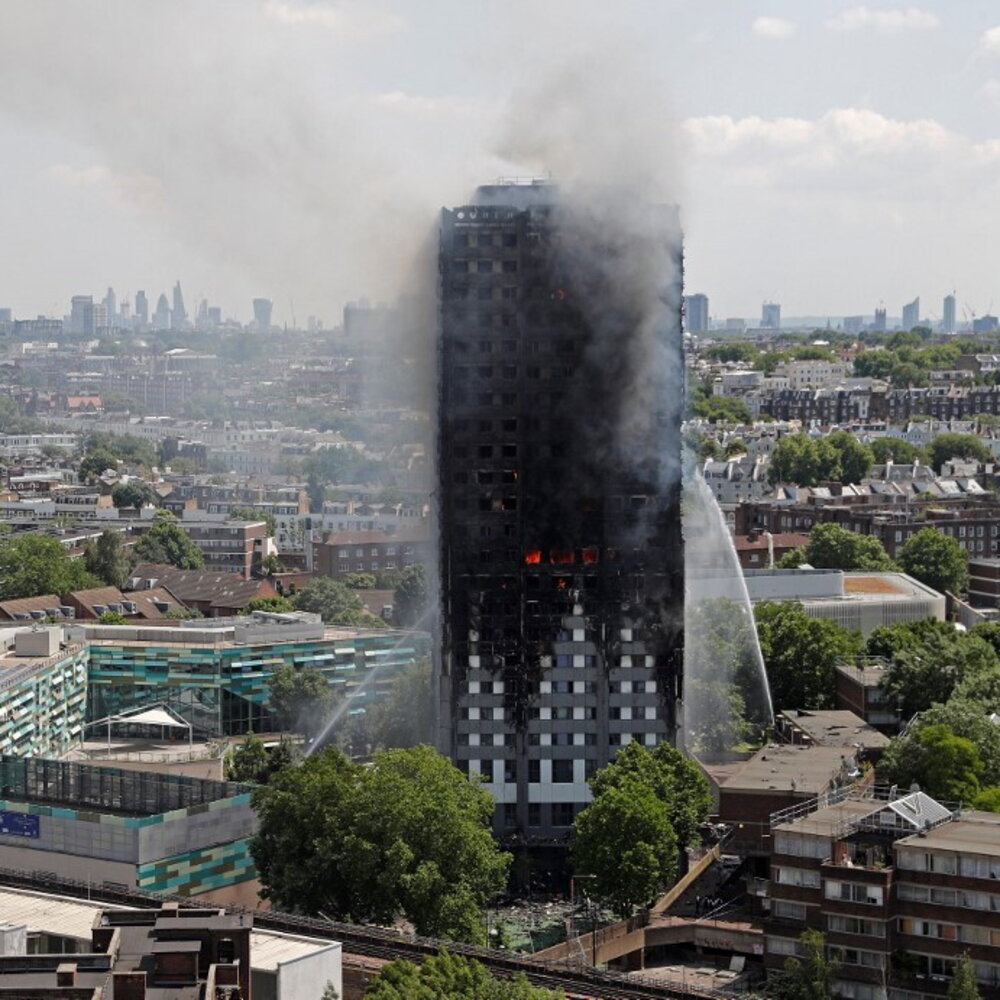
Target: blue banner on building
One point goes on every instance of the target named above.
(17, 824)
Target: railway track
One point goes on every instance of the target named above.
(384, 944)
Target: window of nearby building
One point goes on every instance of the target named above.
(562, 771)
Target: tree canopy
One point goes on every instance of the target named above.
(300, 699)
(134, 493)
(675, 779)
(107, 559)
(937, 560)
(36, 564)
(450, 977)
(897, 450)
(927, 660)
(249, 514)
(410, 597)
(647, 806)
(624, 841)
(251, 761)
(832, 547)
(946, 446)
(801, 653)
(722, 409)
(806, 461)
(336, 604)
(408, 835)
(167, 542)
(964, 984)
(406, 717)
(946, 766)
(809, 977)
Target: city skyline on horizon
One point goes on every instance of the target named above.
(806, 172)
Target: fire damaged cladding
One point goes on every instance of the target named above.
(562, 576)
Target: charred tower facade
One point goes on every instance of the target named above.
(561, 560)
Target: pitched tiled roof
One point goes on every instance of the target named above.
(25, 605)
(196, 586)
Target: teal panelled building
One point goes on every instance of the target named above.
(218, 678)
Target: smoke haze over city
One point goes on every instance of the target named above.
(833, 156)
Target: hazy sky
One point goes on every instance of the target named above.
(825, 155)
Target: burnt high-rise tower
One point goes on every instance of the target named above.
(561, 570)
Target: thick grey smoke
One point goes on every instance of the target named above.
(241, 137)
(590, 125)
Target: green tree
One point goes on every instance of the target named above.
(134, 493)
(360, 581)
(268, 604)
(450, 977)
(410, 597)
(988, 799)
(94, 464)
(674, 779)
(36, 564)
(270, 564)
(801, 653)
(107, 559)
(855, 458)
(335, 604)
(797, 458)
(833, 547)
(408, 834)
(128, 447)
(406, 718)
(902, 452)
(964, 985)
(739, 351)
(167, 542)
(249, 514)
(317, 493)
(936, 559)
(625, 842)
(722, 409)
(113, 618)
(928, 659)
(300, 699)
(248, 761)
(809, 977)
(946, 446)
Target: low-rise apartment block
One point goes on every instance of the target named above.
(900, 885)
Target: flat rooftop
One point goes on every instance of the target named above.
(64, 916)
(826, 822)
(805, 770)
(974, 832)
(836, 728)
(186, 638)
(39, 781)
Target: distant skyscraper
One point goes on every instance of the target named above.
(770, 316)
(696, 313)
(948, 315)
(879, 324)
(141, 309)
(562, 572)
(262, 314)
(101, 321)
(111, 305)
(911, 314)
(179, 316)
(161, 318)
(81, 316)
